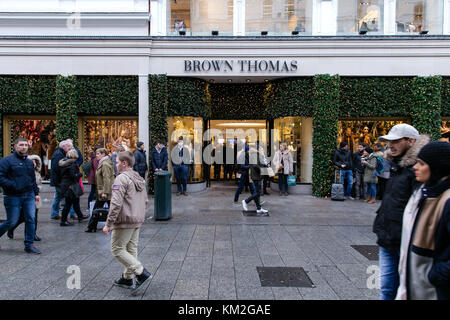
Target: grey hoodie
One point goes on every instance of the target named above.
(128, 201)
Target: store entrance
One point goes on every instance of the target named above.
(225, 137)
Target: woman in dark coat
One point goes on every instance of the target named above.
(70, 186)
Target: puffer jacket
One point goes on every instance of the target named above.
(17, 175)
(70, 174)
(104, 176)
(399, 188)
(129, 198)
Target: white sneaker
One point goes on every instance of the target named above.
(244, 205)
(262, 211)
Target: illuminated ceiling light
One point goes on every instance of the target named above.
(239, 124)
(230, 80)
(211, 80)
(248, 80)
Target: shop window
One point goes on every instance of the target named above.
(356, 131)
(108, 134)
(200, 17)
(414, 16)
(278, 17)
(289, 130)
(41, 136)
(445, 129)
(191, 129)
(356, 16)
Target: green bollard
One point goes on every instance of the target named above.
(163, 196)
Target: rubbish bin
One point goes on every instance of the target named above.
(163, 196)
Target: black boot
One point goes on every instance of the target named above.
(141, 280)
(10, 234)
(124, 283)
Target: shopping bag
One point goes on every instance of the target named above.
(292, 180)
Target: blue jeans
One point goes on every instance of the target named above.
(283, 182)
(347, 174)
(389, 277)
(256, 196)
(14, 205)
(54, 212)
(371, 189)
(243, 180)
(181, 176)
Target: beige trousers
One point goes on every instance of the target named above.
(124, 247)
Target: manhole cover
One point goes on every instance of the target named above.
(368, 251)
(253, 213)
(284, 277)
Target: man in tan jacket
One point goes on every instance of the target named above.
(125, 217)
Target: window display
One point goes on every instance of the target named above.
(419, 15)
(191, 129)
(355, 131)
(289, 131)
(356, 16)
(108, 134)
(445, 129)
(41, 136)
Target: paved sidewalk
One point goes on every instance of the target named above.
(208, 250)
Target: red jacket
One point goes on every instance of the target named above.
(91, 178)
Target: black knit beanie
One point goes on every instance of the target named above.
(437, 155)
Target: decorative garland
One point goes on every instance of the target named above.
(426, 105)
(325, 99)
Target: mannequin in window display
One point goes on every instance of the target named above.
(445, 132)
(349, 138)
(366, 136)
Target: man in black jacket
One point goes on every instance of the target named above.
(343, 161)
(404, 144)
(159, 157)
(18, 180)
(243, 165)
(181, 159)
(359, 171)
(55, 177)
(140, 160)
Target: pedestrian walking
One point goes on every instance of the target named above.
(119, 148)
(159, 157)
(359, 171)
(343, 161)
(256, 166)
(284, 166)
(404, 144)
(20, 192)
(125, 217)
(70, 186)
(243, 165)
(424, 265)
(181, 159)
(369, 163)
(37, 171)
(140, 160)
(384, 176)
(91, 178)
(104, 178)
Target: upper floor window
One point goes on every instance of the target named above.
(415, 16)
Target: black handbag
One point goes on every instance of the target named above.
(76, 189)
(87, 167)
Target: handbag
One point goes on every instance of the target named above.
(76, 189)
(270, 172)
(292, 180)
(87, 167)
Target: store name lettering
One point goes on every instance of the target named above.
(241, 65)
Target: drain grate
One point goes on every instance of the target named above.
(253, 213)
(284, 277)
(368, 251)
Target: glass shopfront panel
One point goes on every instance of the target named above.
(200, 17)
(414, 16)
(40, 133)
(445, 129)
(355, 131)
(356, 16)
(278, 17)
(289, 130)
(191, 129)
(108, 134)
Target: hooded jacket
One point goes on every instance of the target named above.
(140, 162)
(128, 201)
(399, 188)
(70, 174)
(159, 158)
(104, 177)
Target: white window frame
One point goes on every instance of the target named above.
(446, 17)
(390, 14)
(239, 18)
(320, 28)
(158, 17)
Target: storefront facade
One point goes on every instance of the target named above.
(316, 90)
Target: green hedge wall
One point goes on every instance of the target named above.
(445, 97)
(426, 105)
(66, 109)
(325, 100)
(187, 97)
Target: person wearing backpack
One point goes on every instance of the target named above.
(369, 162)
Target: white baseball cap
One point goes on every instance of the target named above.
(399, 131)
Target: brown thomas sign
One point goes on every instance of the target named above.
(241, 65)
